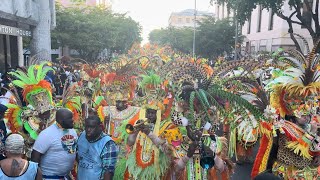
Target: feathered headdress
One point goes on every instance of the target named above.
(120, 80)
(36, 90)
(299, 82)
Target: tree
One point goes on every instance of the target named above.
(90, 30)
(303, 13)
(214, 37)
(180, 39)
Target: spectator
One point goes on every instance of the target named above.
(15, 167)
(3, 131)
(97, 152)
(55, 147)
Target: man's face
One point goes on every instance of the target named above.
(151, 115)
(45, 115)
(304, 119)
(93, 129)
(121, 105)
(67, 123)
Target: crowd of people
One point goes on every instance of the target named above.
(154, 114)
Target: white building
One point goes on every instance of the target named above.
(186, 17)
(265, 31)
(222, 11)
(24, 18)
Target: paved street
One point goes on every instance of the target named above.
(242, 172)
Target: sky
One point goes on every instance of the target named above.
(154, 14)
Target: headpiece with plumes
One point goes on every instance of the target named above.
(300, 79)
(36, 90)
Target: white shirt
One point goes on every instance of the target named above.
(58, 148)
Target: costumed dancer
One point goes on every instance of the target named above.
(147, 159)
(118, 87)
(290, 146)
(40, 109)
(199, 152)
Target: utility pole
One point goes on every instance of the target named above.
(236, 37)
(194, 29)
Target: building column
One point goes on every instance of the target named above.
(41, 36)
(20, 51)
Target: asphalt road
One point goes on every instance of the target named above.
(243, 172)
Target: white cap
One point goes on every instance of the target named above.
(14, 144)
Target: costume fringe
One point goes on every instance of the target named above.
(260, 164)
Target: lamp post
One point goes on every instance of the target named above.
(194, 29)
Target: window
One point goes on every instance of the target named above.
(271, 18)
(188, 20)
(179, 20)
(259, 19)
(249, 25)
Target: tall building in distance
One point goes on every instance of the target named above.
(70, 3)
(186, 17)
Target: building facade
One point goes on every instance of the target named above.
(222, 12)
(265, 31)
(186, 18)
(19, 19)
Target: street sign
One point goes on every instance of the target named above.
(14, 31)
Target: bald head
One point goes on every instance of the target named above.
(65, 118)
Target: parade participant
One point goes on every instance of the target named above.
(146, 160)
(55, 147)
(290, 148)
(15, 167)
(115, 116)
(3, 131)
(118, 87)
(39, 113)
(97, 152)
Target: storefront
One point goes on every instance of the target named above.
(11, 47)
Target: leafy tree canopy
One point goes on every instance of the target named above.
(215, 38)
(90, 30)
(180, 39)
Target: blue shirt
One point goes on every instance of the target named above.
(30, 173)
(96, 158)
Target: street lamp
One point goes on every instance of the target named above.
(194, 29)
